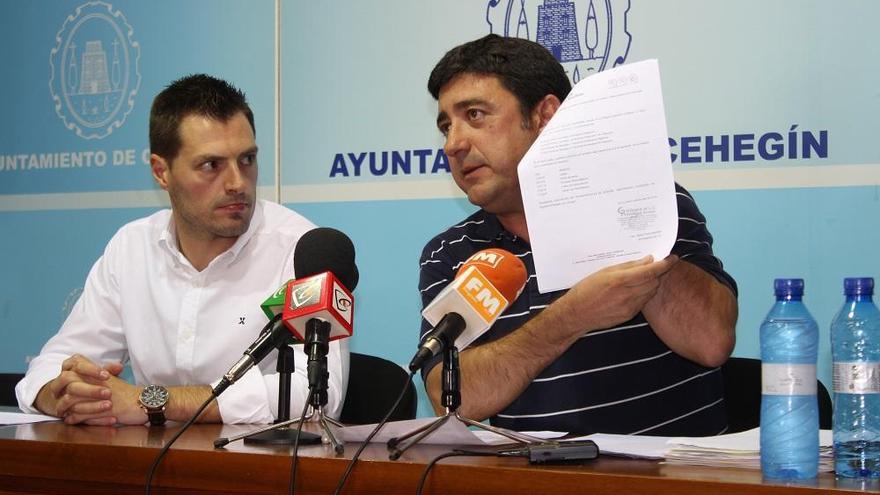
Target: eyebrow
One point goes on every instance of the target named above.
(250, 151)
(208, 157)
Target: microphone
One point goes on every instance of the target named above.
(320, 249)
(318, 305)
(466, 308)
(325, 276)
(272, 336)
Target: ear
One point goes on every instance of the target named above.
(160, 168)
(544, 110)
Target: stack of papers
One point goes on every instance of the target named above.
(734, 450)
(741, 450)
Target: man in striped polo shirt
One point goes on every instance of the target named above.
(633, 348)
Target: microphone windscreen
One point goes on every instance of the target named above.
(504, 270)
(326, 250)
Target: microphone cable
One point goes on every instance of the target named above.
(357, 454)
(549, 452)
(215, 392)
(179, 432)
(454, 453)
(292, 484)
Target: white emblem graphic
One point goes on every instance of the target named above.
(306, 293)
(94, 70)
(586, 36)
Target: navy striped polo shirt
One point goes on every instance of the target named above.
(617, 380)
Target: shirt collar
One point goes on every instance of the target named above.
(242, 241)
(491, 227)
(168, 237)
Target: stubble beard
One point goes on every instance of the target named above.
(203, 225)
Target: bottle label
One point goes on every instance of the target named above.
(858, 377)
(788, 379)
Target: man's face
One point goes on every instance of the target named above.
(485, 139)
(212, 180)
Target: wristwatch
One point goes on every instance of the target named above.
(153, 399)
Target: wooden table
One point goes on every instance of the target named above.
(52, 458)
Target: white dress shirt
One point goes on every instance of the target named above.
(144, 304)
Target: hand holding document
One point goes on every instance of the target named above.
(597, 184)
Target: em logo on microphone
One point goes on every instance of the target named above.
(481, 295)
(487, 257)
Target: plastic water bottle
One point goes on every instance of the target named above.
(855, 352)
(789, 409)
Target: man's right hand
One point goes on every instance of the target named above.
(614, 294)
(79, 394)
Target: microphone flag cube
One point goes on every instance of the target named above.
(320, 296)
(274, 304)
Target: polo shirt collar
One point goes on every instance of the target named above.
(491, 227)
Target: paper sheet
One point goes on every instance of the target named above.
(742, 450)
(453, 432)
(597, 184)
(19, 418)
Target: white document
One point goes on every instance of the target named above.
(452, 432)
(597, 184)
(741, 449)
(735, 450)
(20, 418)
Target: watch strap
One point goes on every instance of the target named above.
(156, 416)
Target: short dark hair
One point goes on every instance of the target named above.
(196, 94)
(525, 68)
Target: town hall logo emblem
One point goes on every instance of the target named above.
(94, 75)
(586, 36)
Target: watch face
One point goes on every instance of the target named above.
(154, 396)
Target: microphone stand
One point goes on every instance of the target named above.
(278, 432)
(281, 433)
(317, 346)
(451, 400)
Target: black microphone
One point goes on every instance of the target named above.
(325, 249)
(272, 336)
(438, 339)
(319, 250)
(316, 310)
(325, 276)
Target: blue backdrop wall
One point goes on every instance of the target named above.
(772, 110)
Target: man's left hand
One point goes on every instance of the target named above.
(125, 408)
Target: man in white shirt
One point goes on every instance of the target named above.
(177, 294)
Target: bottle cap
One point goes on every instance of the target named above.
(857, 286)
(788, 286)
